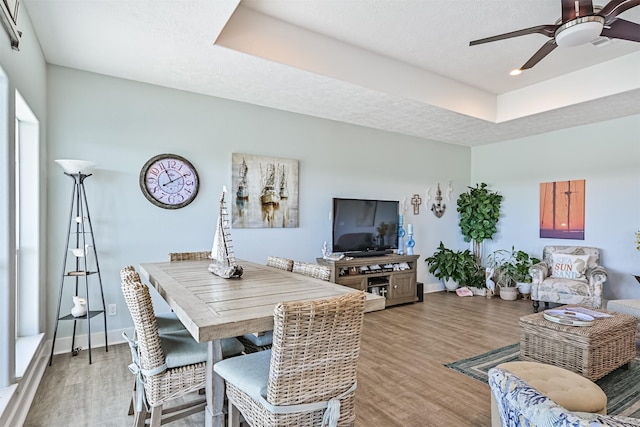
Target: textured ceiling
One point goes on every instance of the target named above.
(404, 67)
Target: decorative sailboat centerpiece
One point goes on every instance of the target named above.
(224, 262)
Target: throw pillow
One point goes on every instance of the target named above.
(567, 266)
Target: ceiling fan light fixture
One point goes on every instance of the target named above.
(579, 31)
(515, 72)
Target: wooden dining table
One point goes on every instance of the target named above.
(213, 308)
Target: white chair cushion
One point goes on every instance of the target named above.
(565, 286)
(261, 340)
(181, 349)
(249, 373)
(168, 322)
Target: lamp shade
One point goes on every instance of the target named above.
(70, 166)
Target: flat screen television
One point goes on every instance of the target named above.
(362, 225)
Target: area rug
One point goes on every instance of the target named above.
(622, 386)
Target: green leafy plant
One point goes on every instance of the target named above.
(511, 267)
(479, 210)
(475, 274)
(457, 265)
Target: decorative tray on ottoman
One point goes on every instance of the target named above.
(568, 317)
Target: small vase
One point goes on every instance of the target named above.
(410, 242)
(80, 307)
(400, 236)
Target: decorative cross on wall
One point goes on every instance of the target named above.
(415, 201)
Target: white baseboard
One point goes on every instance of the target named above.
(433, 287)
(63, 345)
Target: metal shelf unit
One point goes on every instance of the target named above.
(76, 268)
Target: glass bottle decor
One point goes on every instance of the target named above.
(410, 242)
(400, 235)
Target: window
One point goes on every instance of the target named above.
(20, 288)
(27, 229)
(7, 242)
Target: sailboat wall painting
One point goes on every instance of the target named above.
(562, 209)
(265, 192)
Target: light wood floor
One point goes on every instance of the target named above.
(402, 380)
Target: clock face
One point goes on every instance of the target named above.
(169, 181)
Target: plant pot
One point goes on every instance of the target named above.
(478, 291)
(508, 293)
(525, 289)
(451, 285)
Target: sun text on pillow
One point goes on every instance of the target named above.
(567, 266)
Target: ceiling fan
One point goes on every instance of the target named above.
(581, 22)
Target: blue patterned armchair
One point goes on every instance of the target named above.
(521, 405)
(568, 275)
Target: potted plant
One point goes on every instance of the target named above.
(476, 278)
(522, 265)
(479, 210)
(511, 271)
(454, 268)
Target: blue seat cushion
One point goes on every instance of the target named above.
(265, 338)
(181, 349)
(250, 373)
(168, 322)
(231, 347)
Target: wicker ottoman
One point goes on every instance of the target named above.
(626, 306)
(567, 389)
(591, 351)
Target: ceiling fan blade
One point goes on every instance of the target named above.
(547, 30)
(621, 29)
(541, 53)
(615, 8)
(568, 10)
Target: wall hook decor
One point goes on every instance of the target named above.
(438, 208)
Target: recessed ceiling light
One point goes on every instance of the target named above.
(515, 72)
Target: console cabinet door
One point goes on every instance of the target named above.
(402, 289)
(357, 282)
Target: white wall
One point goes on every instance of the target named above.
(120, 124)
(607, 156)
(24, 71)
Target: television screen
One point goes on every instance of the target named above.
(362, 225)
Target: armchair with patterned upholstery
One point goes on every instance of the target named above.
(520, 404)
(568, 275)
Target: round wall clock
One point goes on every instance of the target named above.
(169, 181)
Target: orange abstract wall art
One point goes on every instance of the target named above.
(562, 209)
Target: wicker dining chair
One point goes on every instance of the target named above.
(279, 262)
(176, 346)
(167, 323)
(162, 376)
(189, 256)
(316, 271)
(310, 372)
(260, 341)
